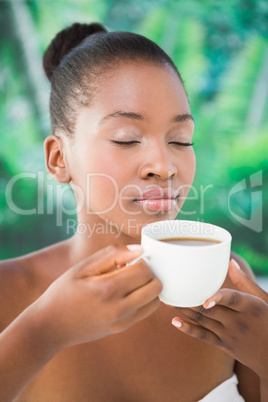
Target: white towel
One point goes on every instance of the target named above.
(227, 391)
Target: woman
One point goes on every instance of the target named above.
(80, 324)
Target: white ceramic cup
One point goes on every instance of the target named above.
(189, 274)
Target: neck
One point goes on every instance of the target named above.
(94, 234)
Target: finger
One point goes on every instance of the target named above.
(199, 316)
(147, 310)
(143, 295)
(197, 332)
(137, 315)
(243, 283)
(108, 259)
(128, 279)
(230, 298)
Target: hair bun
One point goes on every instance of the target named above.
(64, 42)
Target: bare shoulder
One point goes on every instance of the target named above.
(24, 279)
(14, 281)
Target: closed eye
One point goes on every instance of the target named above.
(125, 143)
(182, 144)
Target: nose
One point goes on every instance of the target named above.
(157, 164)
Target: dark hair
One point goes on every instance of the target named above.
(76, 58)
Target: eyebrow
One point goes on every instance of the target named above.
(129, 115)
(136, 116)
(182, 117)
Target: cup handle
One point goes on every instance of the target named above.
(145, 256)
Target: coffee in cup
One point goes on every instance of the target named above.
(190, 258)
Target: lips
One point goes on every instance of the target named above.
(158, 199)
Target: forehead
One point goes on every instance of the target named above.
(153, 91)
(142, 85)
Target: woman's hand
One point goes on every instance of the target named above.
(99, 296)
(234, 320)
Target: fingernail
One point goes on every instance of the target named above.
(134, 247)
(235, 264)
(177, 324)
(211, 304)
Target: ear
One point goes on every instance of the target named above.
(55, 159)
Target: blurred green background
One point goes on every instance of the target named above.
(221, 50)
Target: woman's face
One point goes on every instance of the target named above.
(131, 160)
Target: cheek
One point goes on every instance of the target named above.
(186, 172)
(112, 163)
(108, 174)
(192, 166)
(187, 167)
